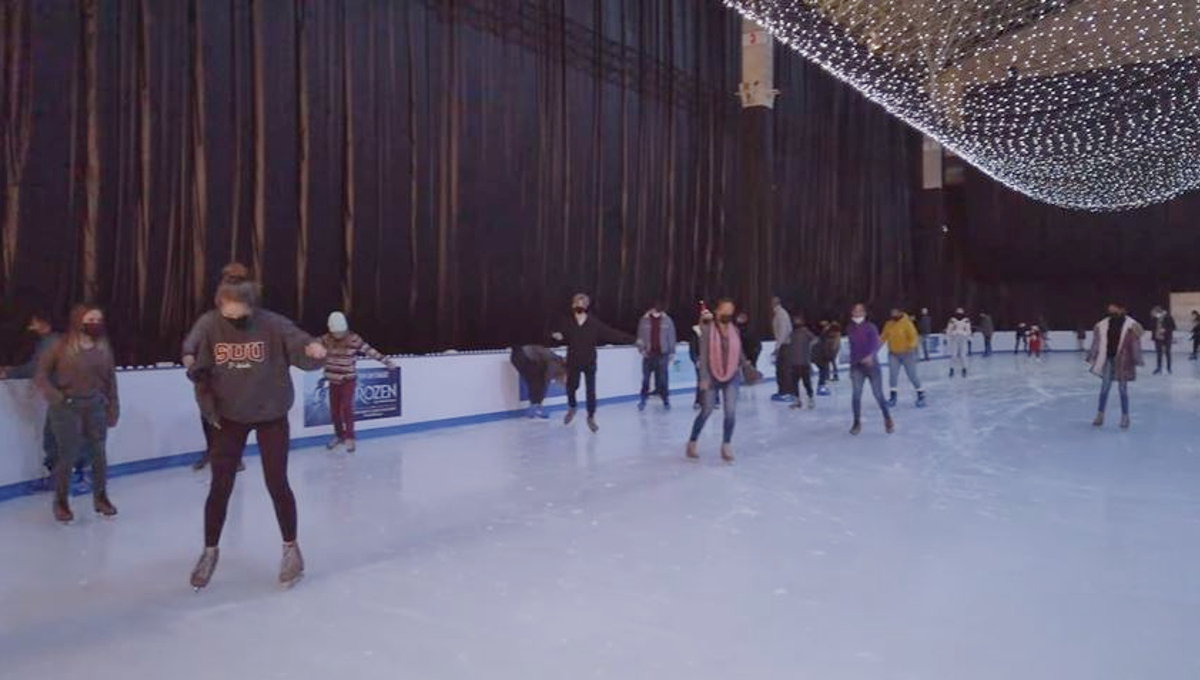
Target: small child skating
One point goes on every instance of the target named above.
(1035, 342)
(341, 372)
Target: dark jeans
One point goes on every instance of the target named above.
(783, 371)
(341, 407)
(81, 423)
(656, 366)
(802, 374)
(925, 346)
(1106, 385)
(1163, 348)
(823, 374)
(987, 344)
(730, 390)
(50, 449)
(273, 442)
(533, 373)
(589, 374)
(860, 374)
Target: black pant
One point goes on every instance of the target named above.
(273, 444)
(656, 366)
(802, 374)
(924, 339)
(1161, 348)
(589, 373)
(1196, 345)
(81, 424)
(533, 373)
(783, 371)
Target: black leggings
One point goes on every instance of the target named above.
(802, 374)
(273, 442)
(589, 375)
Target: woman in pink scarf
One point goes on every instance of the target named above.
(720, 365)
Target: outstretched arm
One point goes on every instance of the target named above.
(612, 336)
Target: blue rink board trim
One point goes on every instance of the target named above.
(11, 491)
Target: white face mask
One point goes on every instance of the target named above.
(656, 314)
(858, 319)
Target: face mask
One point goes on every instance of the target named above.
(240, 323)
(581, 310)
(657, 315)
(94, 330)
(858, 319)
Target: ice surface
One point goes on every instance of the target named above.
(996, 535)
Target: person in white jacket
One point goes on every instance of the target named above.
(958, 337)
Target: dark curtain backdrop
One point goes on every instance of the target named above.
(1023, 259)
(447, 171)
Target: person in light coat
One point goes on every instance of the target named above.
(958, 338)
(1115, 355)
(656, 340)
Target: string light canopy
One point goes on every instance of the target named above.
(1091, 104)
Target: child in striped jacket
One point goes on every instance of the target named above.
(343, 349)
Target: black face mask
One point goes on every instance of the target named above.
(241, 323)
(94, 330)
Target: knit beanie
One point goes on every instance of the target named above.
(337, 323)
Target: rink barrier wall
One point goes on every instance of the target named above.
(160, 427)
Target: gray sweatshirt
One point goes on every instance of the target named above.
(246, 370)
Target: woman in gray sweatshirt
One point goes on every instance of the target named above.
(243, 355)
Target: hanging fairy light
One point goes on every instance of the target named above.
(1091, 104)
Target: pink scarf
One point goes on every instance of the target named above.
(723, 368)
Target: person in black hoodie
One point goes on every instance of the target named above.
(243, 356)
(581, 333)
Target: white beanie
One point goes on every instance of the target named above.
(337, 323)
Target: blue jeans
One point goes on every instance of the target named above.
(656, 366)
(730, 393)
(907, 361)
(1106, 384)
(858, 375)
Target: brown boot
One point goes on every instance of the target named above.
(889, 425)
(62, 511)
(104, 506)
(727, 453)
(691, 451)
(1099, 421)
(856, 428)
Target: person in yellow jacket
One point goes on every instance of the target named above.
(900, 335)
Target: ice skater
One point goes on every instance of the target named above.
(828, 349)
(244, 354)
(900, 336)
(538, 367)
(78, 377)
(657, 339)
(958, 337)
(1195, 335)
(1021, 338)
(582, 332)
(721, 361)
(751, 343)
(925, 329)
(801, 347)
(343, 347)
(781, 327)
(1164, 337)
(864, 366)
(1115, 355)
(1035, 342)
(987, 328)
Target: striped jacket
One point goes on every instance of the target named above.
(342, 354)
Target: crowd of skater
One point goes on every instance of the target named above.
(238, 356)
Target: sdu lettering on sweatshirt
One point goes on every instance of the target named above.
(239, 353)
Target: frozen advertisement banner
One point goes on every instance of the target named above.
(377, 395)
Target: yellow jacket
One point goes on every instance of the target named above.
(900, 336)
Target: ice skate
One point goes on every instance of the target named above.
(823, 391)
(1124, 421)
(291, 567)
(569, 417)
(856, 428)
(920, 400)
(1099, 421)
(888, 425)
(333, 443)
(62, 512)
(538, 413)
(727, 453)
(642, 404)
(201, 463)
(964, 373)
(666, 404)
(811, 404)
(350, 446)
(104, 507)
(205, 567)
(592, 424)
(691, 451)
(780, 397)
(796, 405)
(892, 400)
(952, 373)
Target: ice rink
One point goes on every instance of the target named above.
(995, 536)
